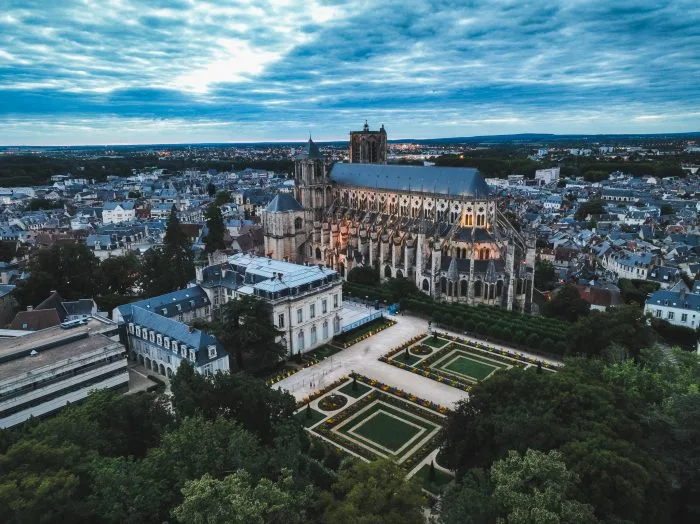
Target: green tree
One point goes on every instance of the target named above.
(592, 207)
(178, 252)
(211, 189)
(545, 275)
(222, 197)
(119, 274)
(215, 230)
(566, 304)
(375, 493)
(237, 499)
(365, 275)
(8, 250)
(469, 501)
(537, 488)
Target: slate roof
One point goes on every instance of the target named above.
(83, 306)
(691, 301)
(167, 304)
(284, 202)
(193, 338)
(310, 151)
(35, 320)
(464, 181)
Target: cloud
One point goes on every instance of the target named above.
(264, 70)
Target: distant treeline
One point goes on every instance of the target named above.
(31, 170)
(509, 163)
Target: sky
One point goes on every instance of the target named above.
(183, 71)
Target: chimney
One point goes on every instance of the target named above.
(30, 308)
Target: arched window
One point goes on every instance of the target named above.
(336, 325)
(464, 288)
(298, 223)
(325, 329)
(464, 252)
(477, 288)
(399, 274)
(300, 341)
(443, 285)
(499, 288)
(313, 335)
(426, 285)
(387, 271)
(341, 269)
(318, 253)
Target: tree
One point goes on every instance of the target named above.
(37, 204)
(222, 197)
(592, 207)
(365, 275)
(70, 269)
(622, 325)
(667, 209)
(537, 488)
(119, 274)
(215, 230)
(566, 304)
(237, 499)
(545, 275)
(375, 493)
(636, 291)
(469, 501)
(8, 250)
(178, 251)
(211, 189)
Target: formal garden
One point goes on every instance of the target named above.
(454, 361)
(372, 420)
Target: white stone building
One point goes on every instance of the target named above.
(677, 306)
(547, 176)
(116, 212)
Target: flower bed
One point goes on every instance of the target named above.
(289, 373)
(332, 402)
(321, 392)
(325, 429)
(387, 324)
(421, 350)
(403, 346)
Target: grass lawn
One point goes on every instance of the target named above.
(361, 389)
(324, 351)
(469, 367)
(434, 342)
(410, 360)
(386, 430)
(436, 486)
(306, 421)
(386, 426)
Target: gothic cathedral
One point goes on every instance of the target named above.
(437, 226)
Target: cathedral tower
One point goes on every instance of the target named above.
(368, 147)
(311, 181)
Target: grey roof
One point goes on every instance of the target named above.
(188, 299)
(464, 181)
(310, 151)
(284, 202)
(690, 301)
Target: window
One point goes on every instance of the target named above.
(335, 300)
(173, 346)
(138, 331)
(670, 315)
(312, 311)
(152, 336)
(324, 306)
(166, 342)
(131, 328)
(159, 339)
(192, 355)
(280, 320)
(300, 341)
(300, 316)
(313, 335)
(336, 325)
(212, 351)
(325, 330)
(183, 351)
(658, 313)
(684, 317)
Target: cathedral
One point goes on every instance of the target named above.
(437, 226)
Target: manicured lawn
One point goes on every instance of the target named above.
(361, 390)
(386, 430)
(307, 421)
(436, 486)
(324, 351)
(434, 342)
(410, 360)
(469, 367)
(386, 426)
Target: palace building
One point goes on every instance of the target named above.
(437, 226)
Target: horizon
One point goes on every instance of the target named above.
(273, 71)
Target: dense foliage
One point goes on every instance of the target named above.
(618, 429)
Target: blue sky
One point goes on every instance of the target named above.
(127, 71)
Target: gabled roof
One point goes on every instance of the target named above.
(36, 319)
(167, 305)
(283, 202)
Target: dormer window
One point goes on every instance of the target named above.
(212, 351)
(179, 307)
(183, 351)
(159, 339)
(138, 331)
(173, 346)
(152, 336)
(192, 355)
(166, 342)
(131, 328)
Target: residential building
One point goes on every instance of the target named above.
(44, 371)
(116, 212)
(678, 306)
(547, 176)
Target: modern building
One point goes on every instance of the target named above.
(677, 306)
(436, 226)
(43, 371)
(547, 176)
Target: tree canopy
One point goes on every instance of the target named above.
(215, 230)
